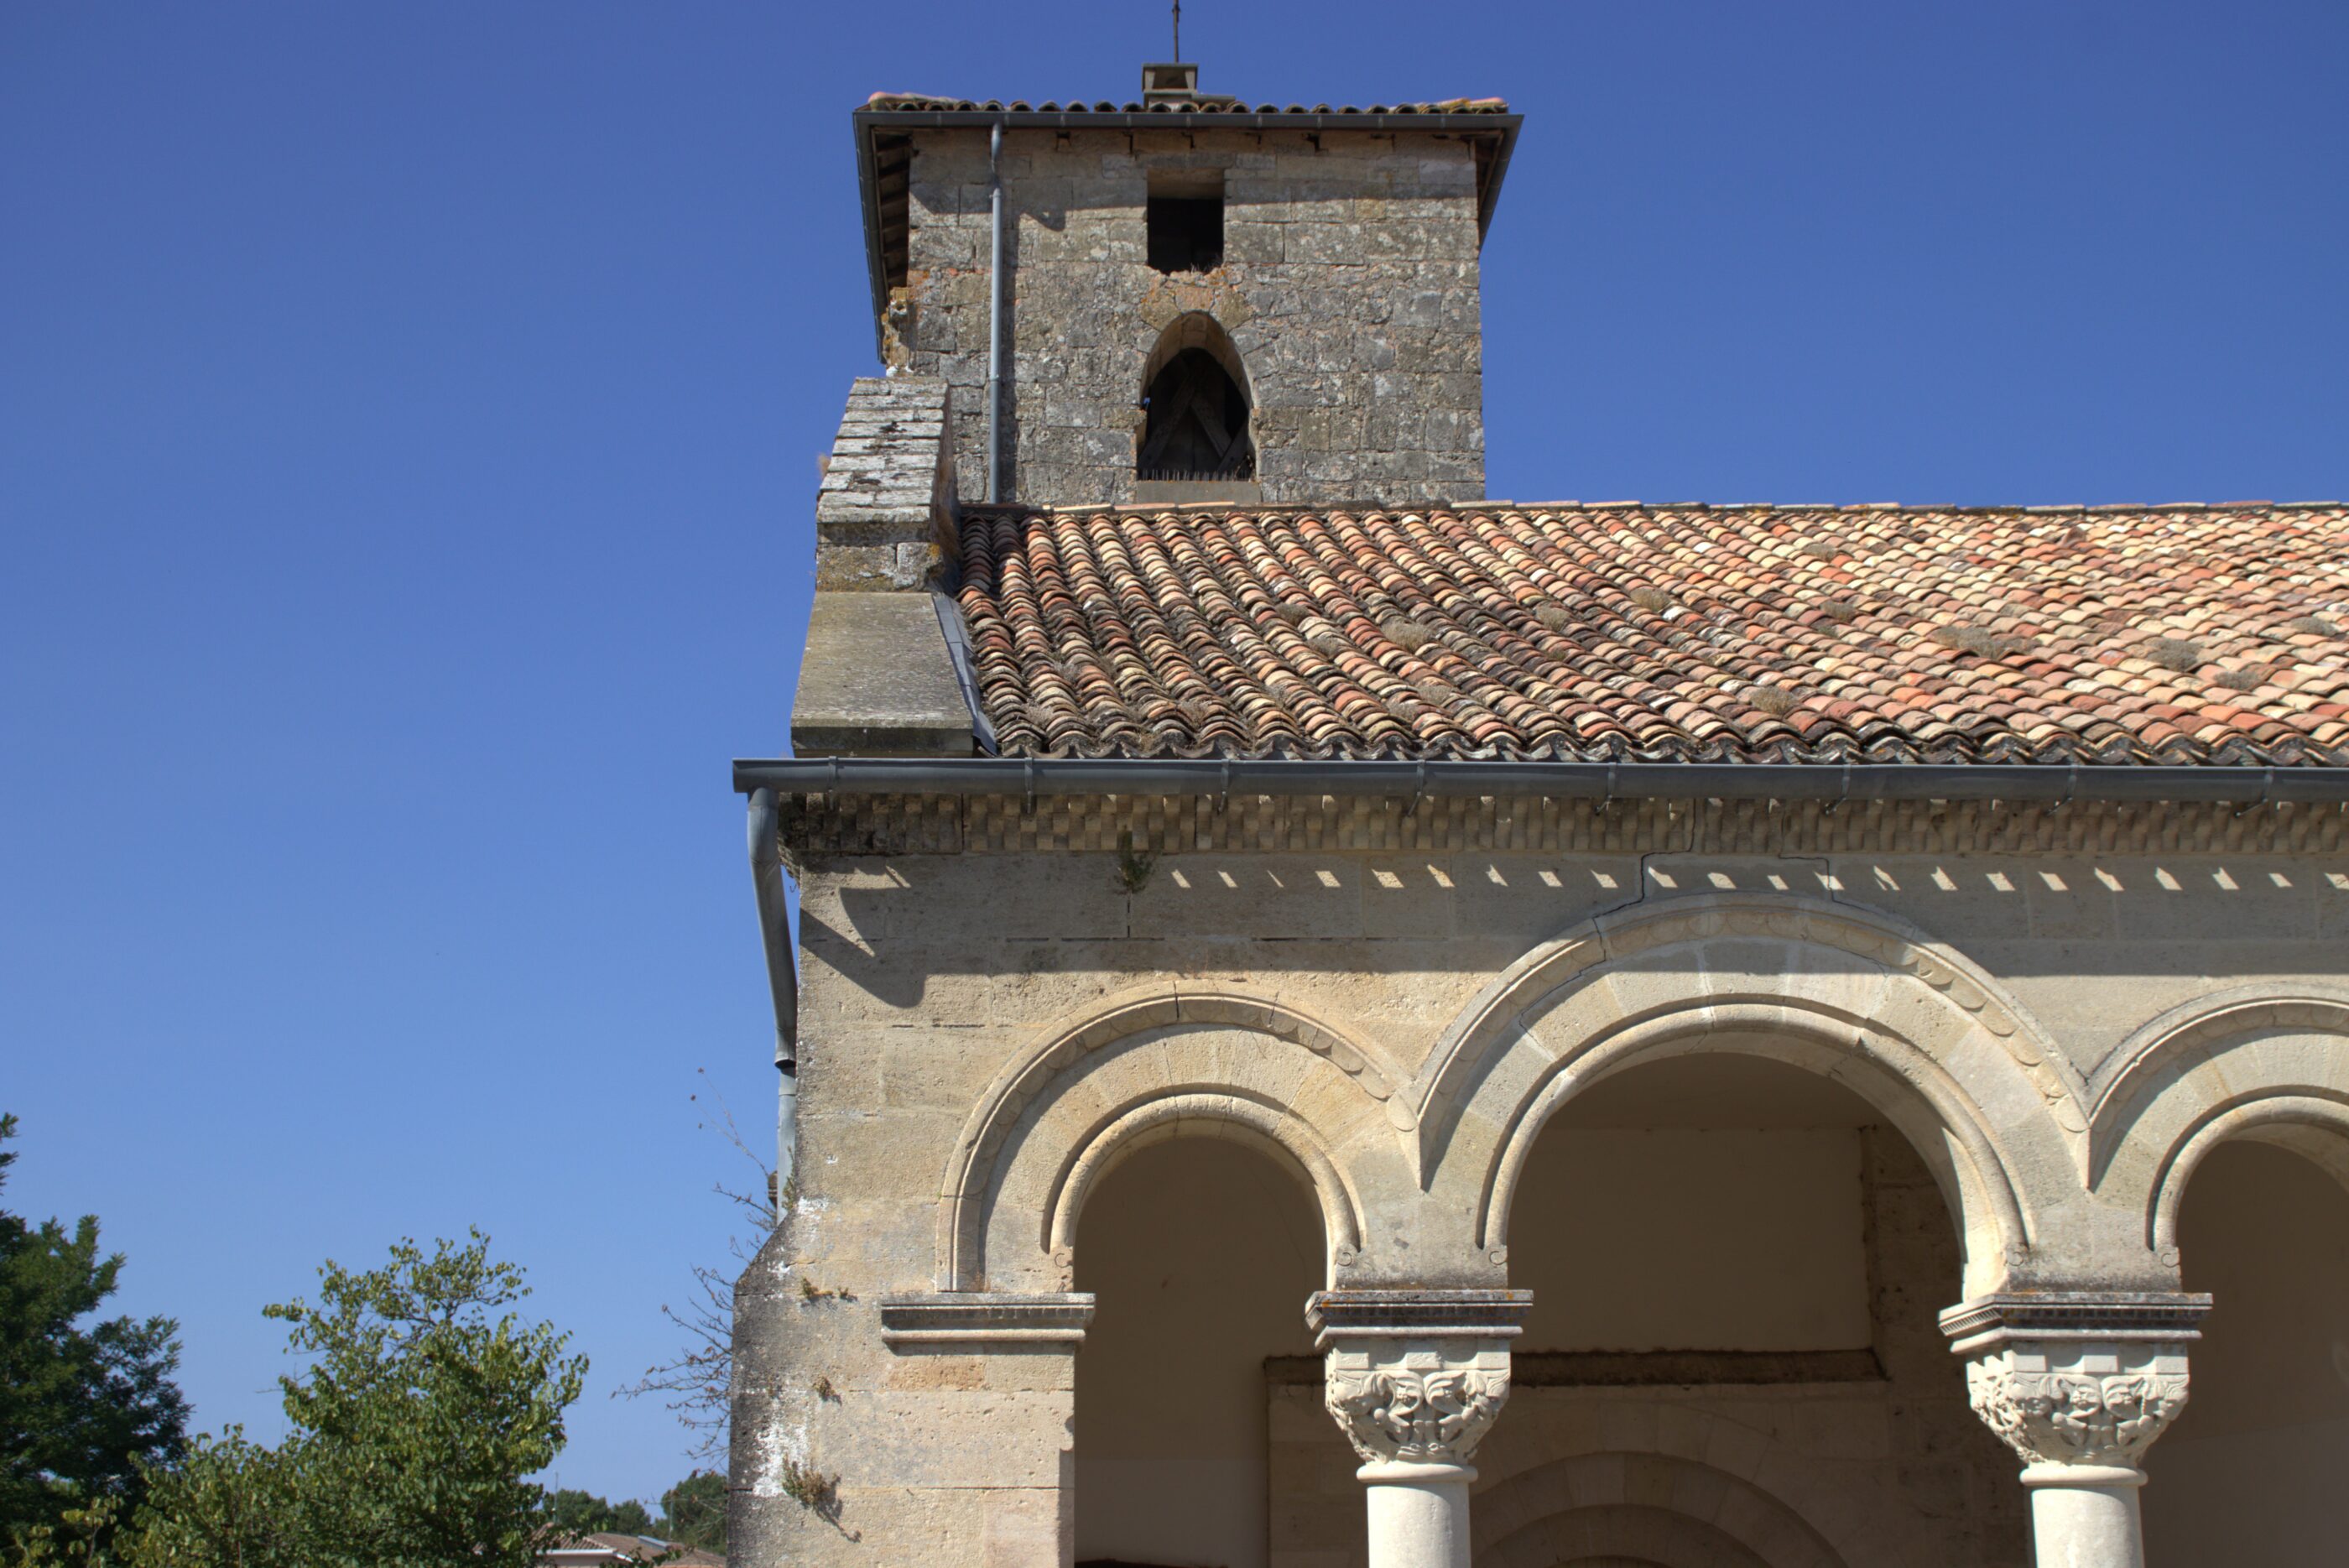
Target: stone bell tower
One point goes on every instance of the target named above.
(1186, 297)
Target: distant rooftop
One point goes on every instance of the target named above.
(608, 1548)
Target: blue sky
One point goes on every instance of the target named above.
(407, 431)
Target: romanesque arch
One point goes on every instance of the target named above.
(1197, 407)
(2256, 1062)
(1693, 1499)
(1063, 1113)
(1625, 1535)
(1908, 1024)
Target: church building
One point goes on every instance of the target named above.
(1337, 1021)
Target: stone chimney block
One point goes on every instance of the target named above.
(884, 516)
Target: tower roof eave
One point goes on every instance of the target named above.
(884, 129)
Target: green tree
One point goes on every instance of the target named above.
(229, 1503)
(577, 1512)
(694, 1512)
(77, 1541)
(82, 1407)
(424, 1407)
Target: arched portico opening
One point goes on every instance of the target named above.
(1084, 1097)
(2251, 1472)
(1912, 1027)
(1200, 1252)
(1727, 1235)
(1668, 1505)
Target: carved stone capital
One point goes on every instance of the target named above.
(2080, 1414)
(1423, 1410)
(2073, 1380)
(1416, 1377)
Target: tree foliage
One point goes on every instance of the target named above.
(577, 1512)
(229, 1503)
(693, 1511)
(696, 1382)
(424, 1407)
(82, 1407)
(78, 1539)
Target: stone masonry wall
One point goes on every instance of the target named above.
(925, 976)
(1349, 287)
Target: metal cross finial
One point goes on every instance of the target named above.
(1178, 31)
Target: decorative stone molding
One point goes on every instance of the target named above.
(823, 824)
(1928, 1037)
(1416, 1377)
(1602, 1504)
(1339, 1315)
(985, 1320)
(1270, 1127)
(991, 1138)
(2152, 1316)
(2076, 1381)
(2259, 1061)
(2152, 1058)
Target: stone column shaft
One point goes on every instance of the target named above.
(1415, 1379)
(2079, 1384)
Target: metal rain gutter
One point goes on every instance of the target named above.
(995, 287)
(782, 980)
(2246, 787)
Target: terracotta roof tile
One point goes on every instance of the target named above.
(2175, 634)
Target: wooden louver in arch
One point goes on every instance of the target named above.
(1197, 423)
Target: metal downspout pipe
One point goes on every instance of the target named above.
(782, 980)
(995, 317)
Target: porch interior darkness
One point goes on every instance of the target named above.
(1715, 1243)
(1719, 1239)
(2250, 1473)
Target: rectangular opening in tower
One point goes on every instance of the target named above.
(1186, 218)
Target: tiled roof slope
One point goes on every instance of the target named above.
(2179, 634)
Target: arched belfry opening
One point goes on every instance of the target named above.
(1195, 406)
